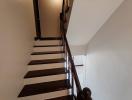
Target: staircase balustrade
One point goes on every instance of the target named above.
(81, 94)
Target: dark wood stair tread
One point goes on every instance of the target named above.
(47, 72)
(48, 45)
(40, 88)
(47, 61)
(68, 97)
(49, 52)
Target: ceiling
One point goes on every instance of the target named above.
(87, 17)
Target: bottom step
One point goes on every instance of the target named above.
(47, 96)
(47, 87)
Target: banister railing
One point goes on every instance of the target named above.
(77, 91)
(81, 94)
(73, 70)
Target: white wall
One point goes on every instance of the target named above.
(78, 50)
(109, 57)
(16, 35)
(87, 17)
(49, 17)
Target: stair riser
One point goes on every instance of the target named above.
(45, 66)
(44, 49)
(44, 79)
(46, 56)
(48, 42)
(46, 95)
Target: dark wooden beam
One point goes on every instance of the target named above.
(37, 19)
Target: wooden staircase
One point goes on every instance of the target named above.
(46, 78)
(51, 72)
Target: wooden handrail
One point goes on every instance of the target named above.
(74, 72)
(82, 94)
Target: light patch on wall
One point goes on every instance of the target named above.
(79, 60)
(57, 2)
